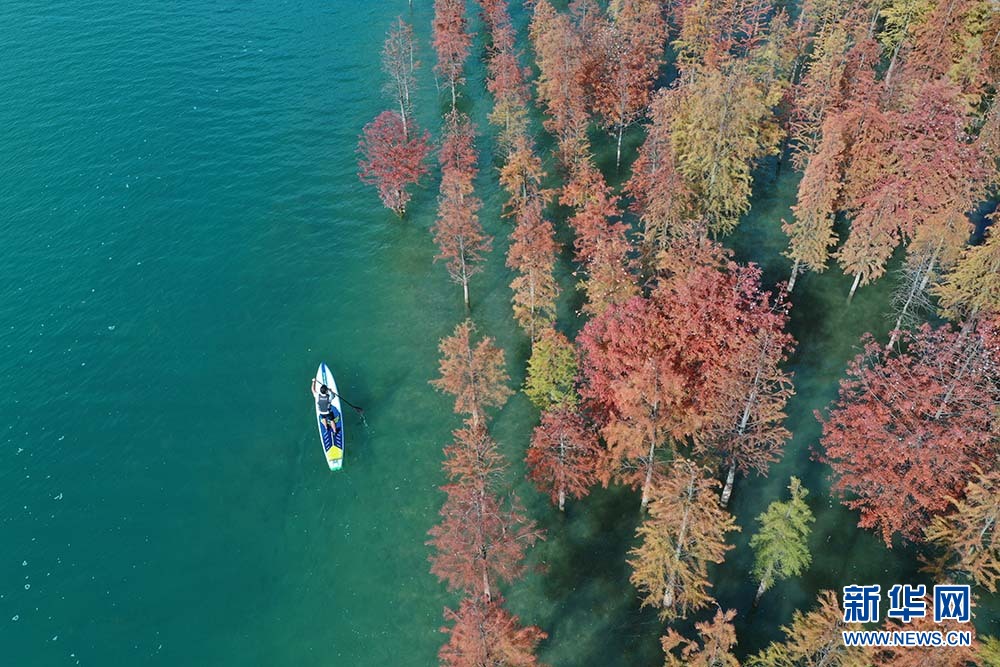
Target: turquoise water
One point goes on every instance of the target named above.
(184, 239)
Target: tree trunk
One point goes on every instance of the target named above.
(562, 462)
(486, 584)
(649, 475)
(454, 97)
(854, 288)
(727, 490)
(914, 290)
(618, 156)
(761, 588)
(465, 292)
(795, 275)
(669, 592)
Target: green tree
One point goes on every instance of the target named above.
(552, 371)
(989, 652)
(781, 545)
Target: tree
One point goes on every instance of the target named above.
(662, 369)
(909, 427)
(602, 245)
(481, 539)
(781, 545)
(633, 46)
(989, 652)
(970, 536)
(473, 374)
(563, 454)
(660, 196)
(398, 63)
(532, 254)
(746, 426)
(552, 371)
(717, 636)
(814, 639)
(480, 535)
(685, 531)
(810, 234)
(458, 232)
(561, 83)
(724, 123)
(451, 42)
(390, 161)
(484, 634)
(973, 287)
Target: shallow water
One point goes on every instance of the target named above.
(184, 239)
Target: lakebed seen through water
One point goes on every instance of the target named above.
(185, 239)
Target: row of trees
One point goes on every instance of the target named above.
(676, 385)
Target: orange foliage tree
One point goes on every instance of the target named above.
(685, 531)
(451, 41)
(718, 637)
(483, 634)
(473, 373)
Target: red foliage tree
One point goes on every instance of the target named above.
(602, 245)
(473, 373)
(909, 427)
(562, 80)
(660, 195)
(484, 634)
(532, 254)
(657, 366)
(390, 161)
(457, 232)
(451, 42)
(482, 538)
(563, 455)
(633, 48)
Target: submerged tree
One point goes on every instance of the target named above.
(484, 634)
(687, 362)
(451, 42)
(552, 371)
(633, 48)
(686, 530)
(473, 373)
(970, 535)
(909, 427)
(480, 540)
(390, 160)
(746, 426)
(458, 232)
(563, 455)
(532, 254)
(398, 63)
(781, 546)
(814, 639)
(927, 656)
(718, 637)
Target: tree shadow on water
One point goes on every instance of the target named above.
(594, 616)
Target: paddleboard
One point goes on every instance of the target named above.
(333, 443)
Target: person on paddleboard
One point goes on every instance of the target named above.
(324, 400)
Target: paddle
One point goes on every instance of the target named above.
(349, 404)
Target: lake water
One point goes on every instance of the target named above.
(184, 238)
